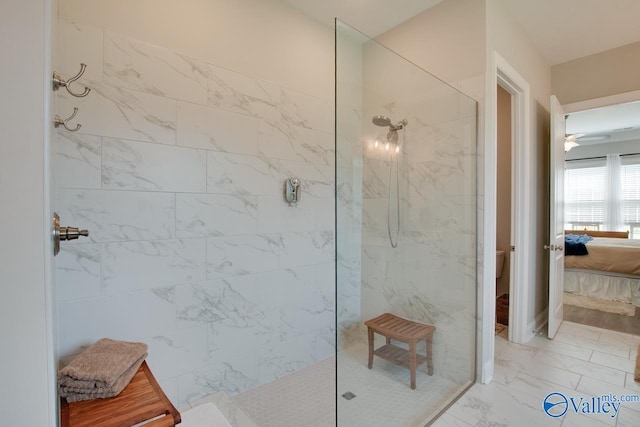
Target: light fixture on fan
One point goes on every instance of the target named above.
(571, 141)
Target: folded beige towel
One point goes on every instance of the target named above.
(104, 368)
(75, 394)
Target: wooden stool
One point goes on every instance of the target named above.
(142, 400)
(399, 329)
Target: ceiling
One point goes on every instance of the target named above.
(609, 124)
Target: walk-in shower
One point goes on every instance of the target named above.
(405, 174)
(392, 138)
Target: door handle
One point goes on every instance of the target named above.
(64, 233)
(559, 248)
(551, 247)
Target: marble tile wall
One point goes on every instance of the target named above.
(178, 173)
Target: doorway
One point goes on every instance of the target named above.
(608, 143)
(503, 208)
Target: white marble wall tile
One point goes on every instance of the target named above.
(287, 357)
(79, 44)
(132, 165)
(130, 323)
(310, 214)
(242, 94)
(232, 376)
(215, 215)
(240, 255)
(119, 215)
(239, 93)
(130, 266)
(302, 110)
(170, 388)
(77, 160)
(375, 178)
(349, 151)
(241, 359)
(240, 174)
(232, 301)
(78, 272)
(120, 113)
(283, 288)
(132, 64)
(307, 248)
(174, 352)
(217, 130)
(316, 180)
(281, 141)
(82, 322)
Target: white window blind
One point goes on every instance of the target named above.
(631, 190)
(585, 193)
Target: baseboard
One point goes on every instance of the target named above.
(538, 323)
(487, 372)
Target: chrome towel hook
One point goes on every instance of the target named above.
(58, 82)
(57, 121)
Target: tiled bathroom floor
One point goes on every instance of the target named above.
(582, 361)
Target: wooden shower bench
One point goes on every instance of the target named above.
(141, 401)
(396, 328)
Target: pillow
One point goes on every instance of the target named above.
(577, 238)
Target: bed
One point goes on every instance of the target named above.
(610, 270)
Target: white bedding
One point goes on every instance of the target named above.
(606, 286)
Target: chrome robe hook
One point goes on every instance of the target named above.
(57, 121)
(58, 82)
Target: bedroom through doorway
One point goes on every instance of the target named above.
(602, 216)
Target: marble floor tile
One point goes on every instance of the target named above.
(628, 418)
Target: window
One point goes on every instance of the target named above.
(630, 194)
(585, 194)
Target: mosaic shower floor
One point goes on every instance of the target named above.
(383, 397)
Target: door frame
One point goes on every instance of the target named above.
(605, 101)
(501, 72)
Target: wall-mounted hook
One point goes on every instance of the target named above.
(57, 121)
(58, 82)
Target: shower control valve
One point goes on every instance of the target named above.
(292, 191)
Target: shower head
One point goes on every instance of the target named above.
(381, 121)
(386, 121)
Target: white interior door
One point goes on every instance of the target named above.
(556, 217)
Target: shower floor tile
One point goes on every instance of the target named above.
(305, 398)
(383, 397)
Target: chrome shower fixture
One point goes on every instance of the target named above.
(384, 121)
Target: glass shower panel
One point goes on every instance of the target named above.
(406, 235)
